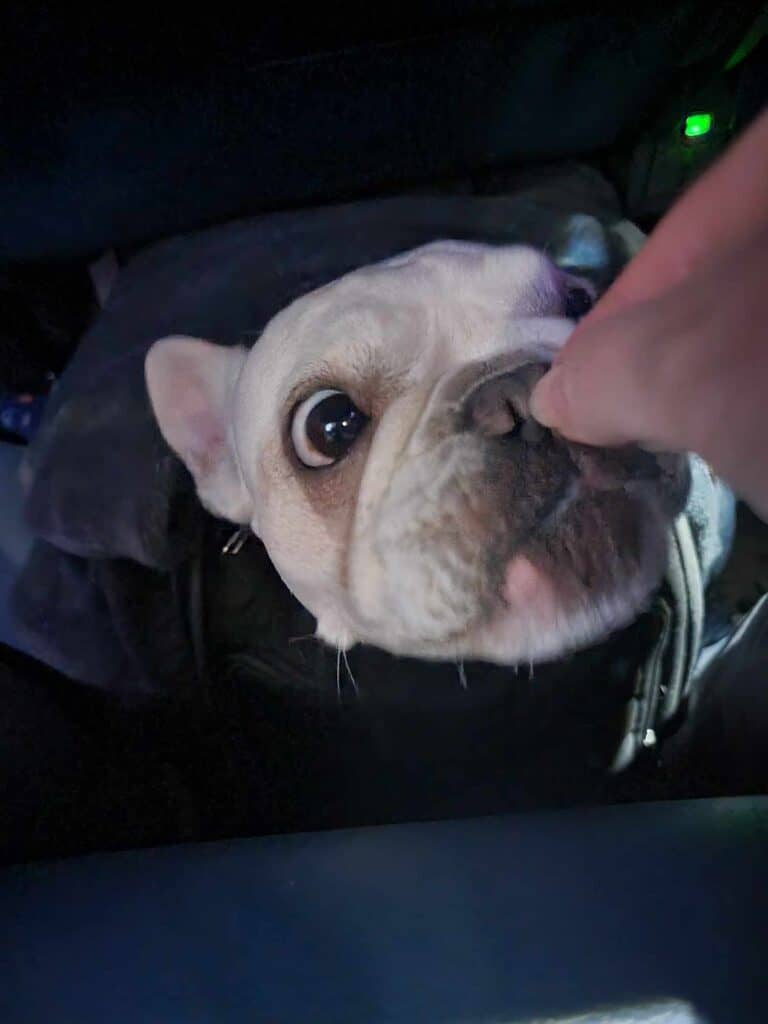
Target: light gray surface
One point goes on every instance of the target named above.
(500, 919)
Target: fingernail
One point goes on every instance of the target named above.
(546, 398)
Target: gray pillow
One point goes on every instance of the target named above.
(100, 481)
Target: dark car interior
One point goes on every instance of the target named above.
(224, 854)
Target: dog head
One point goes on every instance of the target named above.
(377, 439)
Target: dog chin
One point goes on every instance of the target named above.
(519, 633)
(584, 575)
(536, 619)
(537, 626)
(544, 615)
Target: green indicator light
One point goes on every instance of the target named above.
(697, 125)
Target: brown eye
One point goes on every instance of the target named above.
(324, 428)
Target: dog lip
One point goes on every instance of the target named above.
(587, 478)
(613, 470)
(570, 492)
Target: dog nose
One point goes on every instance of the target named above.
(498, 407)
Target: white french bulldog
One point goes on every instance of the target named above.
(377, 439)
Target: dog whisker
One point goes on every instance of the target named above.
(462, 675)
(350, 674)
(301, 639)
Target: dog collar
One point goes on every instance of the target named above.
(663, 680)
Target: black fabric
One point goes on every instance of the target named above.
(123, 127)
(43, 313)
(80, 771)
(721, 747)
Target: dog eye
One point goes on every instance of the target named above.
(578, 303)
(324, 427)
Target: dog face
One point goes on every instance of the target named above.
(377, 439)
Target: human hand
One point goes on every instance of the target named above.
(675, 356)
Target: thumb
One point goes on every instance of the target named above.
(602, 387)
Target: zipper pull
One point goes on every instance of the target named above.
(237, 541)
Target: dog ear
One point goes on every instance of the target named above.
(191, 387)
